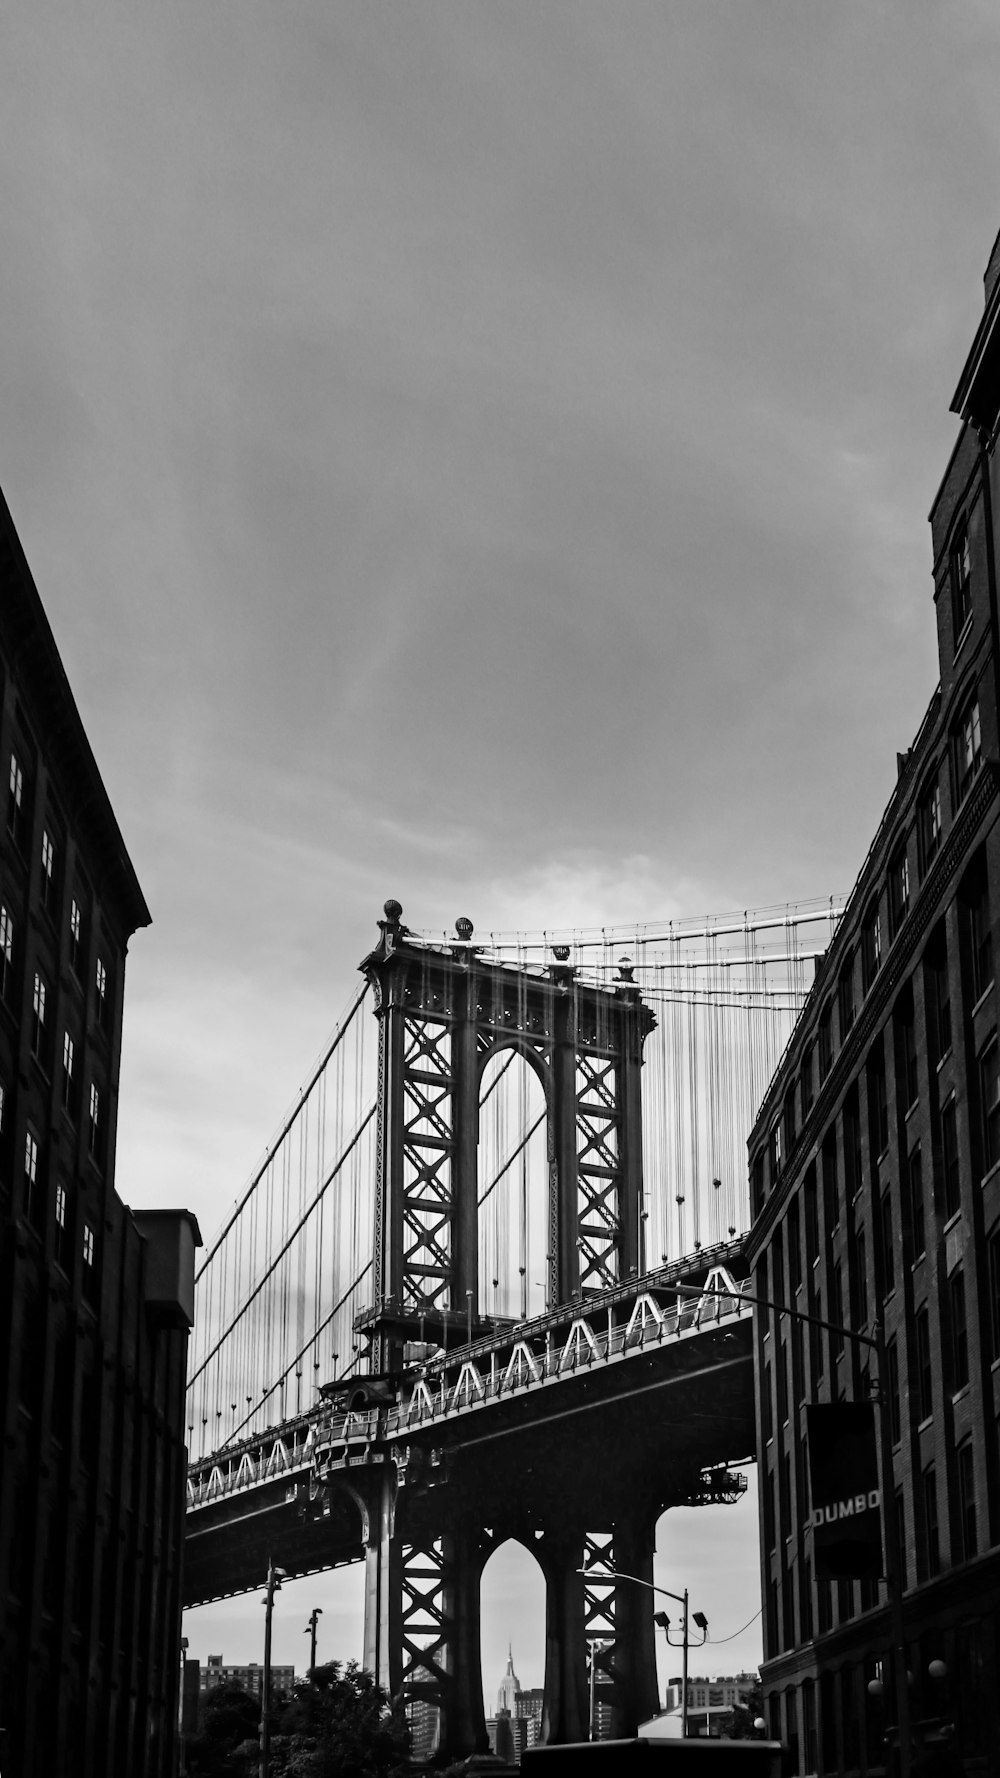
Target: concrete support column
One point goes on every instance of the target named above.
(636, 1688)
(564, 1716)
(382, 1639)
(463, 1719)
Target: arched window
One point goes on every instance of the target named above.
(871, 944)
(929, 822)
(967, 744)
(845, 996)
(960, 574)
(899, 889)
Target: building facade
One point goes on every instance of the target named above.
(710, 1702)
(95, 1302)
(875, 1189)
(249, 1678)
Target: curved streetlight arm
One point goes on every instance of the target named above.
(619, 1575)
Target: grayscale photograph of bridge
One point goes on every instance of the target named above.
(499, 536)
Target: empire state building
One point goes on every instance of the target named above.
(510, 1685)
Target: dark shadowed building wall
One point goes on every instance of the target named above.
(95, 1302)
(875, 1186)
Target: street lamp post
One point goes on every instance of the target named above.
(661, 1618)
(875, 1342)
(275, 1576)
(310, 1630)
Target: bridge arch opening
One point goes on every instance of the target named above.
(512, 1187)
(512, 1639)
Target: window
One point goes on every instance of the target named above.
(31, 1182)
(871, 946)
(60, 1240)
(994, 1289)
(774, 1155)
(16, 808)
(816, 1340)
(961, 582)
(806, 1081)
(907, 1082)
(782, 1374)
(929, 823)
(68, 1082)
(812, 1214)
(915, 1184)
(878, 1103)
(966, 1502)
(47, 887)
(958, 1329)
(788, 1121)
(767, 1405)
(778, 1268)
(989, 1100)
(888, 1251)
(899, 890)
(831, 1194)
(825, 1041)
(837, 1310)
(89, 1264)
(6, 953)
(39, 1002)
(976, 901)
(968, 748)
(845, 997)
(102, 995)
(757, 1183)
(892, 1389)
(852, 1144)
(75, 935)
(932, 1544)
(950, 1177)
(95, 1128)
(858, 1268)
(938, 994)
(794, 1247)
(925, 1392)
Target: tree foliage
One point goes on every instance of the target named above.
(338, 1725)
(738, 1724)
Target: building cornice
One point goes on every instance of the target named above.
(882, 991)
(975, 398)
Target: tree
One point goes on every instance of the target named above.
(738, 1723)
(340, 1725)
(230, 1718)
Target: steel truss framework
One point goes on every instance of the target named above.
(443, 1015)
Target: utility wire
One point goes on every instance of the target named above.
(716, 1641)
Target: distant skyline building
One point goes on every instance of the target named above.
(510, 1686)
(250, 1677)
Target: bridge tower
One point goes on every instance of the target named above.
(444, 1013)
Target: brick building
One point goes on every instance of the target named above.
(249, 1678)
(875, 1187)
(95, 1302)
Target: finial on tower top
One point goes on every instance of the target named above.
(561, 953)
(464, 928)
(392, 910)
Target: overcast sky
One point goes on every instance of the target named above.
(477, 453)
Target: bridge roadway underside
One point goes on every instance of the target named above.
(585, 1450)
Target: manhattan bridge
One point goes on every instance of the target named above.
(487, 1283)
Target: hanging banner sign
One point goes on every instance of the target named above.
(846, 1516)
